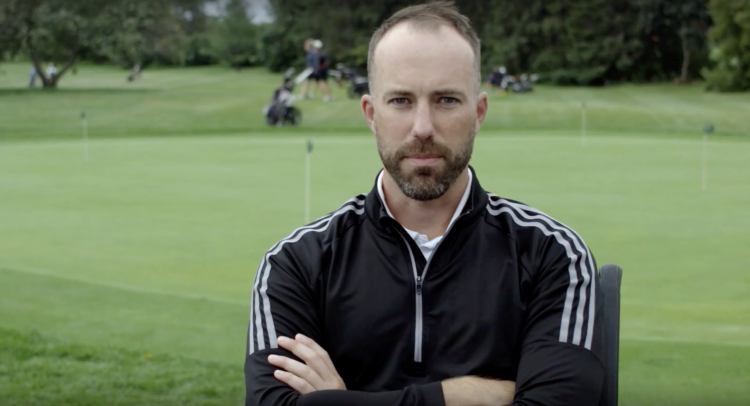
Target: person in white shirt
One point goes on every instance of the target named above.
(51, 70)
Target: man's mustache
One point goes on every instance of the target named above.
(423, 147)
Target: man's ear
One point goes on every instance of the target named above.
(482, 106)
(368, 109)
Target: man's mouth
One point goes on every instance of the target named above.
(423, 159)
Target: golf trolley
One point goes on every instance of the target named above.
(281, 111)
(522, 84)
(500, 79)
(358, 85)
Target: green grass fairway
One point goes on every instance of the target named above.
(213, 101)
(151, 246)
(39, 371)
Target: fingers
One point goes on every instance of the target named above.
(317, 348)
(315, 372)
(314, 359)
(294, 382)
(296, 368)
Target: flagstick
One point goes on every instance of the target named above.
(308, 157)
(85, 140)
(85, 137)
(583, 124)
(704, 179)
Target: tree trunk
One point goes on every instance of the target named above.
(47, 82)
(38, 64)
(71, 61)
(685, 77)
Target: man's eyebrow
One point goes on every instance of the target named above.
(450, 92)
(439, 92)
(397, 93)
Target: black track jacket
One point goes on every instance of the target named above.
(509, 293)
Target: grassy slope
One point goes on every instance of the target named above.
(36, 370)
(219, 101)
(152, 245)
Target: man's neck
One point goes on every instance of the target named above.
(430, 218)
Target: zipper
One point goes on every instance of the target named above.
(418, 308)
(419, 283)
(418, 328)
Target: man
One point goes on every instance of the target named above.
(312, 62)
(51, 71)
(135, 73)
(321, 70)
(32, 77)
(428, 290)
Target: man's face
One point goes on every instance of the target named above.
(424, 108)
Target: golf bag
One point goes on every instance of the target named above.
(524, 83)
(358, 85)
(281, 111)
(500, 78)
(519, 84)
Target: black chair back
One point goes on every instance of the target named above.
(611, 277)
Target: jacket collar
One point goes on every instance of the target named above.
(376, 209)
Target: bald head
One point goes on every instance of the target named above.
(410, 55)
(439, 18)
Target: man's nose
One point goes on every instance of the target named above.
(423, 126)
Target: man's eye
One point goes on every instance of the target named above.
(448, 100)
(400, 100)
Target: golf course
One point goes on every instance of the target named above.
(133, 217)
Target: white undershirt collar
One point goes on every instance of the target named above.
(426, 245)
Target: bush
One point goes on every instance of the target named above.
(234, 41)
(280, 50)
(731, 46)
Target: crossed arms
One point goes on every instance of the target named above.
(300, 373)
(552, 371)
(317, 373)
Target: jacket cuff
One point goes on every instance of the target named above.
(432, 394)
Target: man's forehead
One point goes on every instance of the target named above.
(420, 39)
(409, 52)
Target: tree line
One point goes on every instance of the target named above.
(581, 42)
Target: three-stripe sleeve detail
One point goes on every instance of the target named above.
(578, 317)
(261, 325)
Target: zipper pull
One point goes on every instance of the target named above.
(419, 285)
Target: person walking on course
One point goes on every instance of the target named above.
(135, 74)
(51, 71)
(32, 77)
(311, 62)
(321, 73)
(429, 290)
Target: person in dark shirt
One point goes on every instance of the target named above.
(321, 73)
(312, 63)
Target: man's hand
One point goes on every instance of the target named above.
(475, 391)
(317, 373)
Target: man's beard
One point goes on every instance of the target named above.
(427, 183)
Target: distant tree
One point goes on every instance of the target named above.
(10, 31)
(54, 31)
(731, 45)
(63, 30)
(344, 26)
(582, 42)
(688, 19)
(195, 25)
(581, 47)
(234, 39)
(566, 42)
